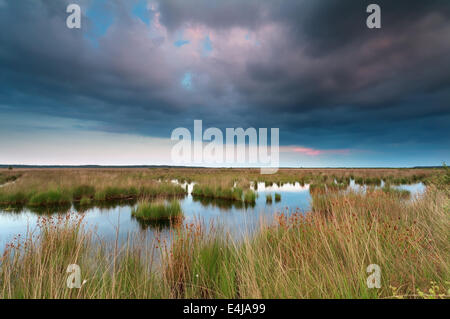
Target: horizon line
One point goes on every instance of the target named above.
(206, 167)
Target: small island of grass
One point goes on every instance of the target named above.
(277, 197)
(158, 211)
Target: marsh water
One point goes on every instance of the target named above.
(114, 218)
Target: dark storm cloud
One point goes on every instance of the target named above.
(214, 13)
(311, 68)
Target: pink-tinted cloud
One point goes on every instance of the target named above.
(312, 151)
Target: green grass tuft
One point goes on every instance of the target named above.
(85, 201)
(50, 198)
(250, 197)
(159, 210)
(277, 197)
(81, 191)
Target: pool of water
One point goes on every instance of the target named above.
(236, 218)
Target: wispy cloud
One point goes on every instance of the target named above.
(312, 151)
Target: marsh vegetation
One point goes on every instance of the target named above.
(321, 253)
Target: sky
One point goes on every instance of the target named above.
(111, 92)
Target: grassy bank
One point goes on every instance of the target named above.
(323, 254)
(108, 183)
(232, 194)
(218, 192)
(35, 191)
